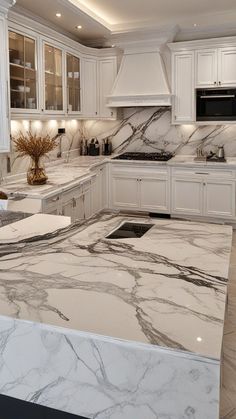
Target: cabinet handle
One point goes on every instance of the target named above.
(201, 173)
(219, 82)
(55, 199)
(215, 82)
(96, 113)
(204, 183)
(111, 113)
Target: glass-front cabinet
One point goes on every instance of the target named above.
(53, 76)
(23, 72)
(73, 83)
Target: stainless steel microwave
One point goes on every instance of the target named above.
(216, 104)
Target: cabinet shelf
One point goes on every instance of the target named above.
(22, 67)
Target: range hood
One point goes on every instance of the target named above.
(142, 79)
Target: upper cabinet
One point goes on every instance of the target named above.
(53, 79)
(73, 84)
(203, 64)
(4, 91)
(90, 93)
(58, 77)
(107, 71)
(183, 87)
(227, 66)
(23, 72)
(216, 67)
(206, 68)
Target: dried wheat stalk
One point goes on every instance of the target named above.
(34, 146)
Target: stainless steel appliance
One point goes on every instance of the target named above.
(161, 156)
(216, 104)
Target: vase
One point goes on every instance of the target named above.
(36, 174)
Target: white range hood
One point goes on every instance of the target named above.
(142, 79)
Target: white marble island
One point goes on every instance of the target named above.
(120, 329)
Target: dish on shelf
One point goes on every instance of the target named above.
(16, 61)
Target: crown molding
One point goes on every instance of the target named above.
(203, 43)
(5, 5)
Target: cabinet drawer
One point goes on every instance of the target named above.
(140, 172)
(204, 172)
(53, 200)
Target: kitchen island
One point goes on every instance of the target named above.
(118, 329)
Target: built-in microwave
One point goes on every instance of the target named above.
(216, 104)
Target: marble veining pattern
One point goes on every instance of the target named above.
(150, 130)
(168, 288)
(101, 378)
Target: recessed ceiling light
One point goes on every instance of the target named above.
(195, 24)
(58, 14)
(199, 339)
(78, 27)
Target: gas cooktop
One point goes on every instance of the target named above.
(144, 156)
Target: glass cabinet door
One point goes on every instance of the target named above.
(53, 79)
(23, 74)
(73, 83)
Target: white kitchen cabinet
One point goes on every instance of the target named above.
(89, 89)
(216, 67)
(227, 66)
(219, 198)
(107, 70)
(206, 67)
(144, 189)
(154, 194)
(99, 199)
(187, 196)
(183, 87)
(207, 193)
(4, 85)
(125, 192)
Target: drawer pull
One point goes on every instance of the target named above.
(201, 173)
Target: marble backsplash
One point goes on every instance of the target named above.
(68, 142)
(140, 129)
(150, 130)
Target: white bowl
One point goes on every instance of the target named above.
(16, 61)
(21, 88)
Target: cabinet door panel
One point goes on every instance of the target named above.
(107, 74)
(89, 88)
(187, 196)
(125, 192)
(154, 195)
(67, 209)
(206, 68)
(227, 66)
(184, 109)
(220, 199)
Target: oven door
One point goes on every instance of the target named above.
(216, 105)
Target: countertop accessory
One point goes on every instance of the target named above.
(201, 157)
(35, 147)
(3, 201)
(221, 152)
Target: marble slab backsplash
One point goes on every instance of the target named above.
(140, 129)
(68, 143)
(150, 130)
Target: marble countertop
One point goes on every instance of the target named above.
(167, 288)
(67, 175)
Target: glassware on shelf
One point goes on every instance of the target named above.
(73, 83)
(53, 78)
(23, 74)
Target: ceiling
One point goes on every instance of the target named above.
(100, 19)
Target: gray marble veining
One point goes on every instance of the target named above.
(167, 288)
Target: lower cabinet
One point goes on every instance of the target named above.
(140, 189)
(203, 195)
(99, 199)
